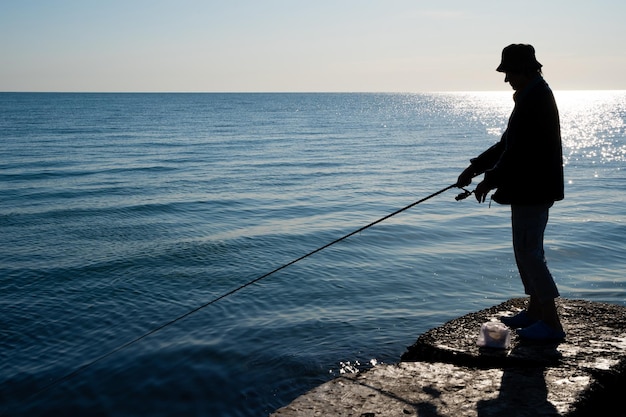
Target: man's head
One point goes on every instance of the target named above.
(519, 64)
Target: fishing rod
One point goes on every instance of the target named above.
(462, 196)
(87, 365)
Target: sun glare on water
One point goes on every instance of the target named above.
(592, 125)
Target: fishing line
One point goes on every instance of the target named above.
(233, 291)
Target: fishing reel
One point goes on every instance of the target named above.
(462, 196)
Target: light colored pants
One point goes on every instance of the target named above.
(529, 224)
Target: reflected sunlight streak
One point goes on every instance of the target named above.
(592, 125)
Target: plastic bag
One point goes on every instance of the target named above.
(494, 334)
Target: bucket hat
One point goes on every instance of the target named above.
(518, 57)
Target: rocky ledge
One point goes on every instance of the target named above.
(445, 373)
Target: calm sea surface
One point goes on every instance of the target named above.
(121, 213)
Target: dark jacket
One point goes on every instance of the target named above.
(526, 166)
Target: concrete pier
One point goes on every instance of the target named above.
(444, 373)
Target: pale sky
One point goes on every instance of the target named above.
(304, 46)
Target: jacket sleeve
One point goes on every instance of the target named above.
(488, 158)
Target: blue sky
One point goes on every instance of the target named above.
(293, 45)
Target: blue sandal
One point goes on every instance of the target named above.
(541, 332)
(518, 321)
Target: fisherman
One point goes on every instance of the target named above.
(526, 169)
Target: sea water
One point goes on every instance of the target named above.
(132, 224)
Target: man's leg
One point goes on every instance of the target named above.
(529, 223)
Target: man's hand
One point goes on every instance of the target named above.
(465, 178)
(481, 191)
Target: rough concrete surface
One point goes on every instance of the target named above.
(445, 373)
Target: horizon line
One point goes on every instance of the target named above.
(283, 92)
